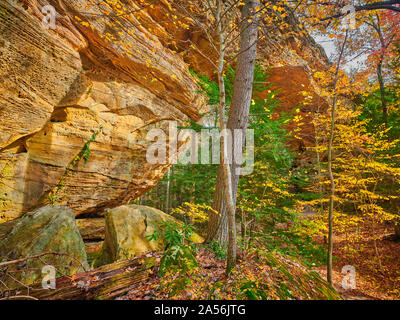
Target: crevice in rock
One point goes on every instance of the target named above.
(92, 213)
(18, 146)
(145, 223)
(60, 114)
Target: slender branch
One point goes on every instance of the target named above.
(7, 263)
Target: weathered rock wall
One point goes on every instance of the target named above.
(58, 87)
(293, 56)
(115, 70)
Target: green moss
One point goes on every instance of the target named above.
(48, 229)
(291, 279)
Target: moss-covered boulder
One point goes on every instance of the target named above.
(126, 231)
(50, 230)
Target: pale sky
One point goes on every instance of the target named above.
(329, 46)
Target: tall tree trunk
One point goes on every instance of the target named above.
(226, 171)
(330, 171)
(331, 197)
(167, 193)
(397, 228)
(382, 92)
(221, 226)
(217, 228)
(192, 187)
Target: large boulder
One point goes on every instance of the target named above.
(45, 230)
(126, 231)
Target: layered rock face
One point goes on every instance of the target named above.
(294, 56)
(107, 74)
(60, 86)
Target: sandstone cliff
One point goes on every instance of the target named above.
(60, 86)
(117, 75)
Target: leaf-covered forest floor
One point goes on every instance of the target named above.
(258, 275)
(375, 261)
(376, 278)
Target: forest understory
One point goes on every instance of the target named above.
(191, 150)
(378, 277)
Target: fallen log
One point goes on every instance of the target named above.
(105, 282)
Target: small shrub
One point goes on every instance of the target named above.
(216, 248)
(178, 260)
(172, 233)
